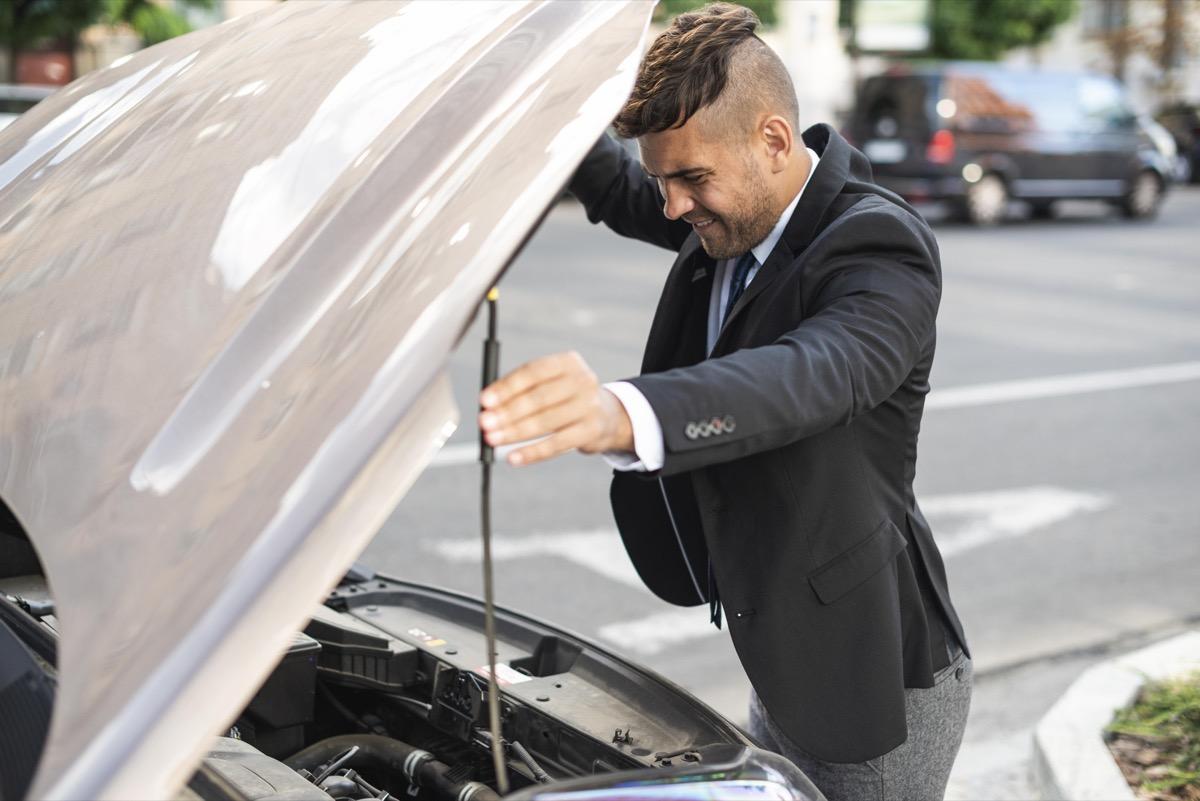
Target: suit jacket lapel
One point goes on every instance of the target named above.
(780, 259)
(824, 186)
(680, 329)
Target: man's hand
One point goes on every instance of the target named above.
(557, 397)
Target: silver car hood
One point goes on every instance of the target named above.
(234, 267)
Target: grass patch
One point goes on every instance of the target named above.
(1157, 740)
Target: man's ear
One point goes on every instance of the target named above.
(777, 138)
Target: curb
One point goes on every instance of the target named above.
(1071, 760)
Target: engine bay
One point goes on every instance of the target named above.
(385, 690)
(384, 695)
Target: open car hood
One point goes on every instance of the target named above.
(235, 266)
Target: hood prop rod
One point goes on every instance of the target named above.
(491, 369)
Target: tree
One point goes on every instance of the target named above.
(152, 21)
(29, 23)
(34, 23)
(765, 9)
(1167, 31)
(986, 29)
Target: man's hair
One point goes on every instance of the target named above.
(708, 57)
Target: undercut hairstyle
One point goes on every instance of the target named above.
(709, 58)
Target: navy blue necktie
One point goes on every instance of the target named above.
(737, 286)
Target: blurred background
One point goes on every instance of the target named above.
(831, 47)
(1053, 144)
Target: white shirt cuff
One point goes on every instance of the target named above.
(647, 432)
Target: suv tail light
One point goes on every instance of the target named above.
(941, 147)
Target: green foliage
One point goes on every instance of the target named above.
(154, 23)
(24, 23)
(985, 29)
(666, 9)
(1168, 715)
(28, 23)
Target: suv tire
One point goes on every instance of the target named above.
(986, 200)
(1145, 194)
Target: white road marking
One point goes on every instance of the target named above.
(657, 632)
(468, 453)
(599, 551)
(963, 522)
(960, 524)
(1061, 385)
(960, 397)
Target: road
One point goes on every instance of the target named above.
(1058, 461)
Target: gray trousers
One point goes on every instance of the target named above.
(916, 770)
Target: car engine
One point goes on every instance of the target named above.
(384, 694)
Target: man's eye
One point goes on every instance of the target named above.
(695, 180)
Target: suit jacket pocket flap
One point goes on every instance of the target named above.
(852, 567)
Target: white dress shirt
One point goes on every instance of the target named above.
(647, 431)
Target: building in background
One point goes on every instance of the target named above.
(1152, 46)
(811, 43)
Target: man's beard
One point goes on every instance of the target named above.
(739, 231)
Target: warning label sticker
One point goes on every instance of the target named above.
(425, 638)
(505, 674)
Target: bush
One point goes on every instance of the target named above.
(1166, 716)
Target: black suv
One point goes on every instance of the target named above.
(976, 135)
(1182, 120)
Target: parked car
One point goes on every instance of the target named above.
(15, 100)
(1183, 121)
(977, 135)
(234, 273)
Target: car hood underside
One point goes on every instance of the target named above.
(235, 266)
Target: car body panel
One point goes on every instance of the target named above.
(235, 266)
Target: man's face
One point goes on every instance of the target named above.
(716, 183)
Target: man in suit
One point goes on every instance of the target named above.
(765, 455)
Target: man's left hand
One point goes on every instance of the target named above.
(557, 397)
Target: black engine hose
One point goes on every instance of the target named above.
(392, 755)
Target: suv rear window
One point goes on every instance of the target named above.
(891, 106)
(1011, 101)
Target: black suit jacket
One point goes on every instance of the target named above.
(791, 450)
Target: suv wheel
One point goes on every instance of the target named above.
(986, 200)
(1145, 194)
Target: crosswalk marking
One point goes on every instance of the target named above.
(967, 521)
(961, 523)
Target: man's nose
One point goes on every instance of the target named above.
(676, 203)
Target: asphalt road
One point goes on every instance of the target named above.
(1058, 461)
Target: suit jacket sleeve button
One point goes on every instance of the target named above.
(728, 424)
(690, 431)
